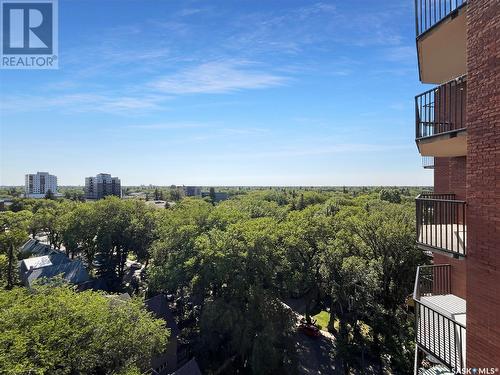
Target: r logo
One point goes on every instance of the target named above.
(27, 28)
(29, 34)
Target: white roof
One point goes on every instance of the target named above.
(37, 262)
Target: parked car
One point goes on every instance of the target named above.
(309, 329)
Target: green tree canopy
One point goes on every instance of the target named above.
(13, 233)
(54, 330)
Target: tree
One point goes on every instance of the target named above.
(351, 283)
(175, 194)
(384, 234)
(20, 204)
(142, 230)
(302, 203)
(212, 194)
(113, 237)
(14, 192)
(76, 195)
(242, 314)
(175, 249)
(13, 233)
(390, 195)
(235, 260)
(48, 218)
(157, 194)
(49, 194)
(232, 267)
(54, 330)
(79, 230)
(306, 234)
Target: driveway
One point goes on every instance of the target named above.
(316, 354)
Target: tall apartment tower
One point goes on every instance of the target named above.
(457, 298)
(37, 185)
(192, 191)
(101, 186)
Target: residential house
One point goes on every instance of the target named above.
(42, 261)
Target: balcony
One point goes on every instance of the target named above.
(428, 162)
(441, 39)
(441, 224)
(440, 120)
(440, 317)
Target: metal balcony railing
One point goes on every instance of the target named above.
(428, 162)
(441, 223)
(432, 280)
(441, 109)
(437, 332)
(428, 13)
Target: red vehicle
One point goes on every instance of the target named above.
(309, 329)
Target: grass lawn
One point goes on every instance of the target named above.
(322, 319)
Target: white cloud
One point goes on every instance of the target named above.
(217, 77)
(173, 125)
(88, 102)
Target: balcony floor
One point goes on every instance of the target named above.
(449, 305)
(449, 237)
(435, 370)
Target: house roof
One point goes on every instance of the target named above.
(39, 262)
(44, 261)
(159, 306)
(35, 247)
(73, 272)
(190, 368)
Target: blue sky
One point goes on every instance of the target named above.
(235, 92)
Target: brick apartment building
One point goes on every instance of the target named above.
(457, 298)
(101, 186)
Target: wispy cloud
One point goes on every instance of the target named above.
(308, 151)
(245, 131)
(112, 56)
(401, 54)
(191, 11)
(218, 132)
(78, 102)
(215, 77)
(288, 31)
(218, 77)
(173, 125)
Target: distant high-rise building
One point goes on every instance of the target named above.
(101, 186)
(192, 191)
(38, 185)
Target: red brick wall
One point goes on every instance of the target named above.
(458, 273)
(483, 183)
(450, 176)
